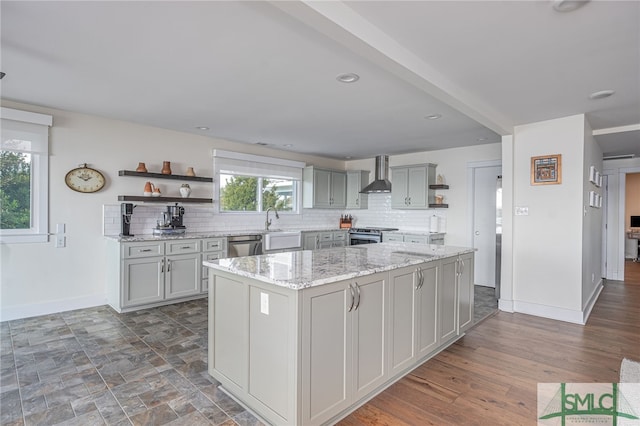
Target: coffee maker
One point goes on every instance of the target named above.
(125, 227)
(171, 222)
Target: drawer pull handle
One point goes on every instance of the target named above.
(144, 250)
(186, 248)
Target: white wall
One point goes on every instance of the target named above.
(38, 278)
(548, 242)
(592, 225)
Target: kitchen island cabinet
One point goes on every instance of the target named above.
(305, 337)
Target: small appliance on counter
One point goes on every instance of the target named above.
(171, 222)
(125, 226)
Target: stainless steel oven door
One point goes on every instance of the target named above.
(356, 239)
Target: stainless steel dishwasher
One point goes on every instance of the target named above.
(244, 245)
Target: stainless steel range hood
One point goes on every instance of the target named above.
(381, 182)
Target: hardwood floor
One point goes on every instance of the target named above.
(490, 376)
(631, 272)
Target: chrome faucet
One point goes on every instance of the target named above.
(267, 222)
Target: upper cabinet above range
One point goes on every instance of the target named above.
(410, 186)
(324, 188)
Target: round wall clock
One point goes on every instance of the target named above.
(85, 179)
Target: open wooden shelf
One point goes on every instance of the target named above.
(438, 206)
(439, 186)
(163, 199)
(163, 176)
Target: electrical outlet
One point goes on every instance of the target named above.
(264, 303)
(61, 241)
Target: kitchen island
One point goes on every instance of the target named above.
(304, 338)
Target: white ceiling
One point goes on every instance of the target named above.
(265, 72)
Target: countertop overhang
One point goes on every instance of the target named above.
(307, 268)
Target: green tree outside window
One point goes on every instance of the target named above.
(15, 190)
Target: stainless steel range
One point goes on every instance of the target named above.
(367, 235)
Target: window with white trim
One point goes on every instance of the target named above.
(24, 176)
(247, 183)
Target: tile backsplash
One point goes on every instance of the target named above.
(200, 218)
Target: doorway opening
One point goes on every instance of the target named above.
(485, 225)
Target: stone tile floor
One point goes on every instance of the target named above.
(95, 366)
(485, 302)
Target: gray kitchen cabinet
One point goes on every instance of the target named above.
(413, 315)
(153, 273)
(465, 292)
(411, 186)
(447, 299)
(356, 181)
(433, 238)
(143, 281)
(388, 237)
(182, 275)
(343, 345)
(309, 356)
(324, 239)
(456, 296)
(324, 188)
(310, 240)
(212, 249)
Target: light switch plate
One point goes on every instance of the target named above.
(60, 228)
(522, 211)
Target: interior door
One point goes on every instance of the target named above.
(484, 224)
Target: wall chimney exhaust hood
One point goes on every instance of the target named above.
(381, 182)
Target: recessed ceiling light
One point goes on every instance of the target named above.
(568, 5)
(287, 145)
(481, 139)
(348, 157)
(433, 116)
(601, 94)
(348, 78)
(202, 128)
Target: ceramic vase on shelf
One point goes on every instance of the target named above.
(156, 192)
(141, 168)
(185, 190)
(190, 171)
(166, 167)
(148, 189)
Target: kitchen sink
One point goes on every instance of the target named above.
(278, 240)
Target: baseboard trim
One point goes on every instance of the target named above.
(505, 305)
(9, 313)
(551, 312)
(586, 310)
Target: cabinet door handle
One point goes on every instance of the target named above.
(409, 198)
(357, 201)
(358, 292)
(162, 265)
(461, 266)
(418, 278)
(168, 265)
(317, 241)
(144, 250)
(353, 298)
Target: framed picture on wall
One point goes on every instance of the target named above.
(546, 170)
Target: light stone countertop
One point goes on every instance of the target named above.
(217, 234)
(301, 269)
